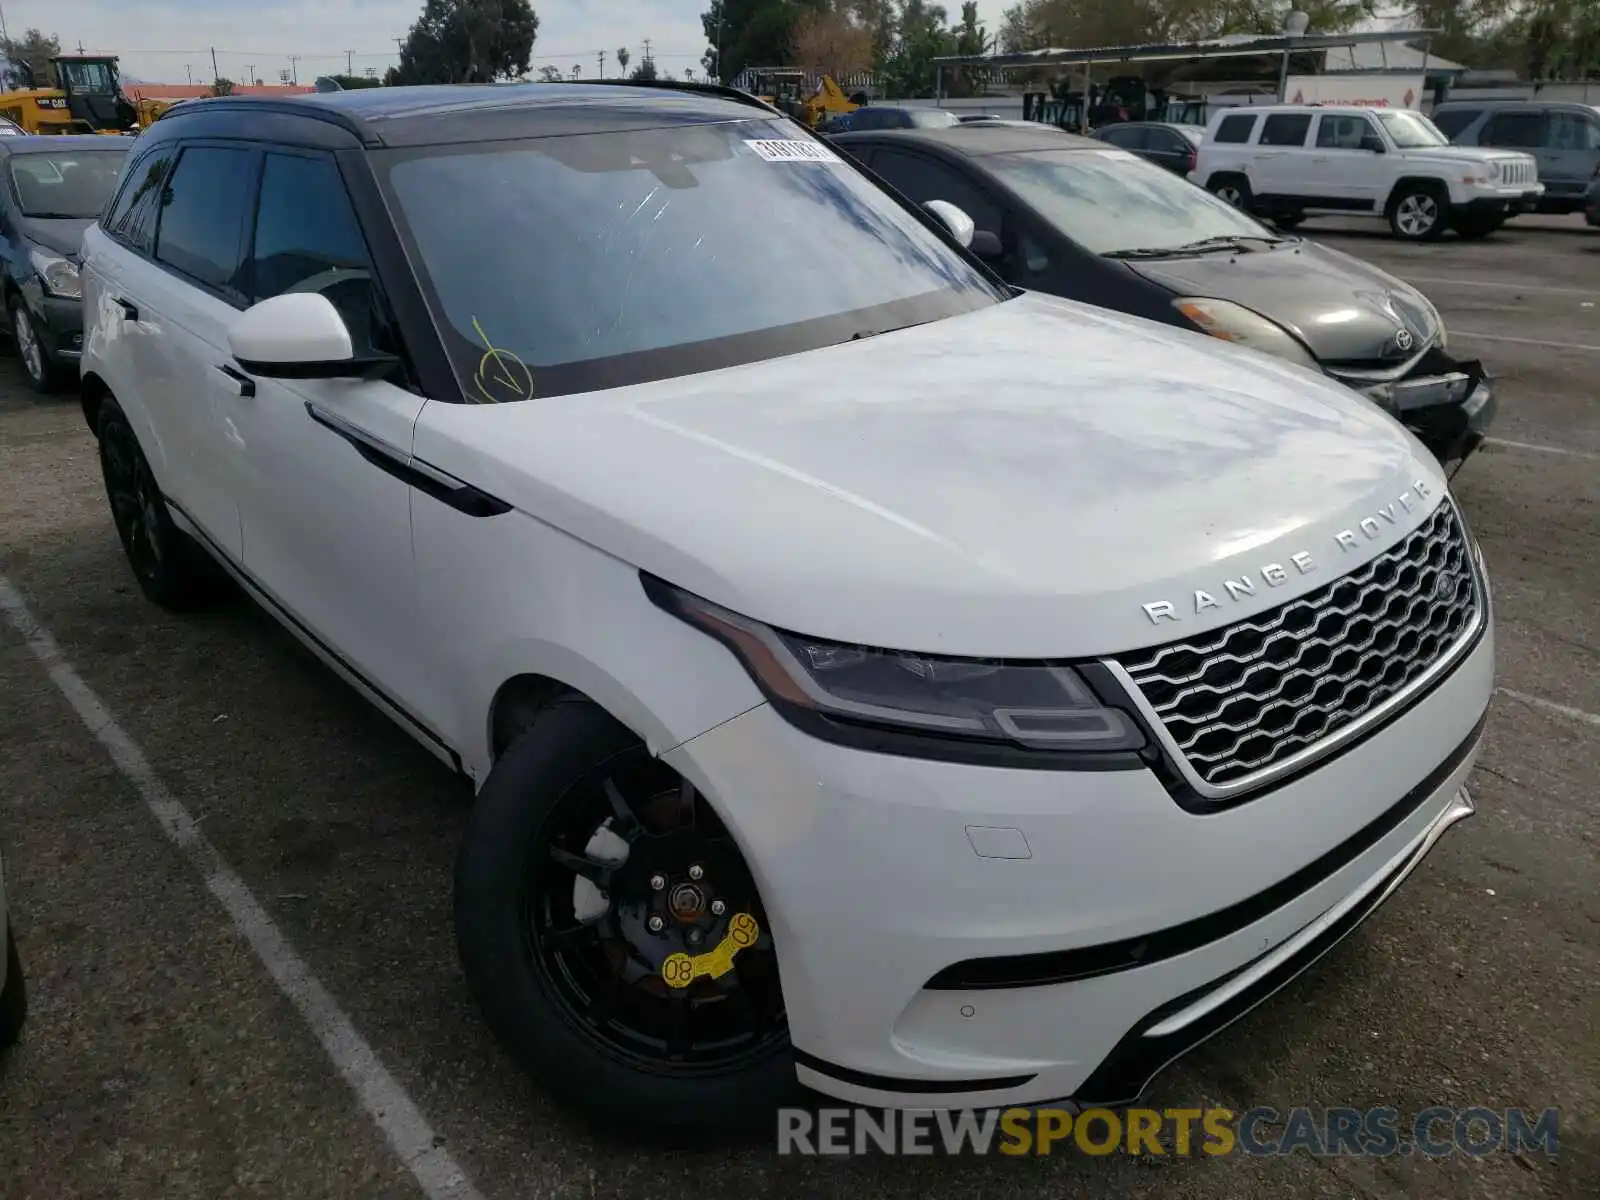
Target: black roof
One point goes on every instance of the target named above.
(429, 114)
(977, 138)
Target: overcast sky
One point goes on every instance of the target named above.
(162, 40)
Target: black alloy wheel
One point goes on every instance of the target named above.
(614, 936)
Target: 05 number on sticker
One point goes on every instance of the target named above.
(779, 150)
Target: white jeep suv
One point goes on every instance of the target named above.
(872, 677)
(1290, 161)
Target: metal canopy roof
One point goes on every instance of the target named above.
(1232, 46)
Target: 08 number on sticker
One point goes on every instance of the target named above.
(780, 150)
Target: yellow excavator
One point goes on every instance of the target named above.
(784, 87)
(88, 98)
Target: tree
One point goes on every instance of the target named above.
(623, 55)
(645, 72)
(34, 50)
(753, 33)
(349, 82)
(831, 42)
(222, 87)
(549, 74)
(467, 41)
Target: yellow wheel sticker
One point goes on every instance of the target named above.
(680, 969)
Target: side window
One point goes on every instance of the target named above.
(1236, 128)
(131, 216)
(1128, 137)
(1574, 131)
(308, 239)
(1343, 131)
(203, 212)
(1452, 122)
(923, 179)
(1518, 130)
(1285, 129)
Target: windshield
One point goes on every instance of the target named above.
(1109, 201)
(1412, 131)
(574, 263)
(68, 185)
(88, 77)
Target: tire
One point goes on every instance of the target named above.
(43, 373)
(14, 997)
(1288, 220)
(172, 570)
(1233, 189)
(537, 965)
(1418, 213)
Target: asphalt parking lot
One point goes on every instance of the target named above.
(165, 1058)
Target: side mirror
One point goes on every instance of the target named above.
(299, 335)
(1375, 144)
(986, 245)
(952, 218)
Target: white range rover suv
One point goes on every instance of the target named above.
(873, 677)
(1288, 161)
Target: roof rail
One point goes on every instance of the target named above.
(737, 95)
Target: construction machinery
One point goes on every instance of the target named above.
(87, 98)
(786, 88)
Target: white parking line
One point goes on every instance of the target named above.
(1500, 337)
(385, 1101)
(1565, 710)
(1509, 287)
(1494, 441)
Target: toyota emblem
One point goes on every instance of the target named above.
(1403, 339)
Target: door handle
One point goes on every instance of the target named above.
(130, 311)
(240, 383)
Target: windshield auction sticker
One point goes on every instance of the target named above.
(774, 150)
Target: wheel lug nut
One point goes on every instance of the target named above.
(694, 937)
(697, 872)
(657, 882)
(718, 908)
(656, 924)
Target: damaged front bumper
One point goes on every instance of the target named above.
(1448, 404)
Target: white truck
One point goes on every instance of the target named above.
(1291, 161)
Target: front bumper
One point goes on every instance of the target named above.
(1145, 927)
(58, 321)
(1448, 405)
(1490, 201)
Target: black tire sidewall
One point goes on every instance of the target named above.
(1226, 179)
(14, 996)
(569, 740)
(185, 576)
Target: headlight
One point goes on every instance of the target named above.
(60, 276)
(1234, 323)
(1039, 706)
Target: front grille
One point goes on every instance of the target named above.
(1240, 700)
(1515, 170)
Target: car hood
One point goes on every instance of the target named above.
(1021, 481)
(62, 236)
(1343, 309)
(1457, 154)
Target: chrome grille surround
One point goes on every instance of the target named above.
(1240, 706)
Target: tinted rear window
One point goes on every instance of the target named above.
(593, 261)
(1235, 128)
(1285, 129)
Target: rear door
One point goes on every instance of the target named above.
(175, 301)
(1278, 166)
(1167, 149)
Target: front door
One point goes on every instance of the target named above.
(1342, 168)
(1570, 154)
(326, 521)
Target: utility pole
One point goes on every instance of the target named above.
(294, 68)
(189, 69)
(647, 49)
(349, 68)
(215, 74)
(250, 75)
(601, 58)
